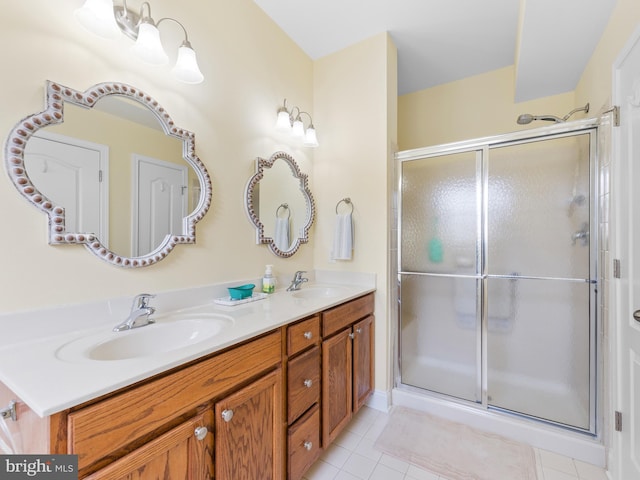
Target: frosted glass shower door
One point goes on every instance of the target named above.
(439, 274)
(539, 290)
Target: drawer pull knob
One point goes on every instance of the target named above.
(308, 446)
(308, 335)
(227, 415)
(308, 383)
(201, 432)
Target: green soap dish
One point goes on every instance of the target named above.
(243, 291)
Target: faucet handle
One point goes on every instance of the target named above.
(298, 275)
(142, 300)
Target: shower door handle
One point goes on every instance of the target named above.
(636, 315)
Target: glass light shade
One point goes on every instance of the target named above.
(283, 124)
(297, 131)
(310, 138)
(97, 17)
(186, 69)
(148, 46)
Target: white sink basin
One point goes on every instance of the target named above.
(168, 334)
(319, 292)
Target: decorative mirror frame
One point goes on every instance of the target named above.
(56, 96)
(261, 165)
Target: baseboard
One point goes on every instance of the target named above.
(380, 400)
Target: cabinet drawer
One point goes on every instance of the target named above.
(303, 383)
(103, 429)
(303, 334)
(304, 444)
(342, 316)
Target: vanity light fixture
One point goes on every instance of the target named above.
(291, 122)
(107, 20)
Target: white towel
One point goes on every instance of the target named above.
(343, 238)
(281, 234)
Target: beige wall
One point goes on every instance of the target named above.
(474, 107)
(355, 92)
(595, 84)
(250, 66)
(483, 105)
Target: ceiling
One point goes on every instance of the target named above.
(440, 41)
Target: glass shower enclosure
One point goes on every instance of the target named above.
(497, 273)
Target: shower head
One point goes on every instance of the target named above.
(527, 118)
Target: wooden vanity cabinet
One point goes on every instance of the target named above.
(303, 396)
(144, 428)
(347, 363)
(179, 453)
(247, 431)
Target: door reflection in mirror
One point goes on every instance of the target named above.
(110, 203)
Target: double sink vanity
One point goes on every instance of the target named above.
(255, 390)
(245, 391)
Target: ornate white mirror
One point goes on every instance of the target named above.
(279, 204)
(112, 172)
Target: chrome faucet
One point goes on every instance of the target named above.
(140, 313)
(582, 235)
(298, 279)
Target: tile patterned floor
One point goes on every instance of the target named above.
(353, 457)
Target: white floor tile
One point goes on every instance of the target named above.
(322, 471)
(552, 474)
(417, 473)
(336, 455)
(348, 440)
(366, 449)
(586, 471)
(557, 462)
(361, 467)
(395, 463)
(382, 472)
(346, 476)
(377, 427)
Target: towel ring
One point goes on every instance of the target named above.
(286, 207)
(346, 200)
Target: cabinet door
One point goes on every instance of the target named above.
(336, 385)
(186, 452)
(249, 431)
(363, 366)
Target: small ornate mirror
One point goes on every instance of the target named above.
(279, 204)
(111, 171)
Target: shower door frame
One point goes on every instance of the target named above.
(482, 147)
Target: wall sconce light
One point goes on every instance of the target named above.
(107, 20)
(291, 122)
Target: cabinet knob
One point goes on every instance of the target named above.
(358, 330)
(308, 383)
(352, 336)
(308, 335)
(308, 446)
(227, 415)
(201, 432)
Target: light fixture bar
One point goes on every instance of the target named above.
(291, 122)
(104, 18)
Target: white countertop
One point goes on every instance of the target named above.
(32, 366)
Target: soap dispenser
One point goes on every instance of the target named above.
(268, 281)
